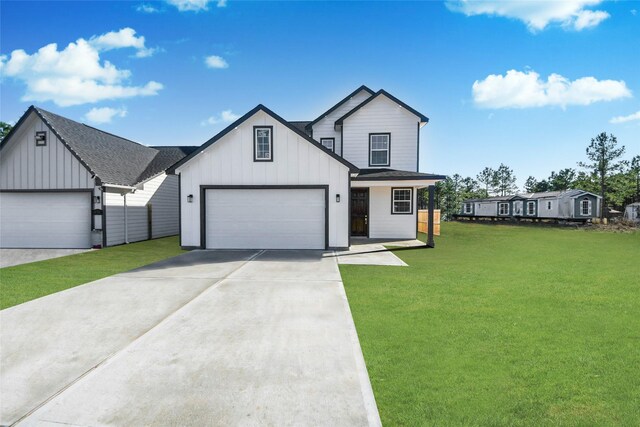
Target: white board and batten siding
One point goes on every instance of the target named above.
(382, 115)
(296, 162)
(324, 128)
(24, 166)
(385, 225)
(161, 193)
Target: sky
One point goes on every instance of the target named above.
(524, 83)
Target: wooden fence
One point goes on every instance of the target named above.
(423, 224)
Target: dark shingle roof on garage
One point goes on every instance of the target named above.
(111, 158)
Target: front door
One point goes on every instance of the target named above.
(359, 211)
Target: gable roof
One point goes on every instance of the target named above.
(244, 118)
(110, 158)
(422, 117)
(332, 109)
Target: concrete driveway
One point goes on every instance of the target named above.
(10, 257)
(206, 338)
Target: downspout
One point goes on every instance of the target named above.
(126, 223)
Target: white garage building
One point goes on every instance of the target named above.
(64, 184)
(263, 184)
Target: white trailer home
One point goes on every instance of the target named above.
(556, 205)
(64, 184)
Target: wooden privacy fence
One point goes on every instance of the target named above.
(423, 221)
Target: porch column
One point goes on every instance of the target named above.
(430, 207)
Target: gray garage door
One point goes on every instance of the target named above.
(45, 220)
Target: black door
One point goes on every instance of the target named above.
(359, 211)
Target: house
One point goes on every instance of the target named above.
(64, 184)
(264, 182)
(558, 205)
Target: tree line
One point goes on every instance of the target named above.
(603, 172)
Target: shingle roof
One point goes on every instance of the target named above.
(393, 174)
(112, 159)
(167, 156)
(301, 126)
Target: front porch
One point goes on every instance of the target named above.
(384, 205)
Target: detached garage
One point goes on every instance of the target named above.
(263, 184)
(64, 184)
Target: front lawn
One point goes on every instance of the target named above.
(25, 282)
(504, 325)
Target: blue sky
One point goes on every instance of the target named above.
(527, 86)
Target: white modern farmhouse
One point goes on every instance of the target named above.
(64, 184)
(266, 183)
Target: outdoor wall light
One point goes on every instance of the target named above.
(96, 199)
(337, 198)
(190, 198)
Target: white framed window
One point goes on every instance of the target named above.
(328, 143)
(468, 208)
(379, 149)
(263, 143)
(585, 207)
(503, 208)
(531, 208)
(402, 201)
(548, 206)
(41, 138)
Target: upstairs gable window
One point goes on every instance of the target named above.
(379, 148)
(263, 143)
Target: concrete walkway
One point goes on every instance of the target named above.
(374, 252)
(206, 338)
(11, 257)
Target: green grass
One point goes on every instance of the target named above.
(504, 326)
(25, 282)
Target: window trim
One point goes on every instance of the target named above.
(500, 204)
(255, 143)
(529, 211)
(333, 144)
(470, 206)
(42, 142)
(393, 190)
(586, 199)
(388, 134)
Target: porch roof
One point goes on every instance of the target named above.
(395, 175)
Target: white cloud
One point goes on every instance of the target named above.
(195, 5)
(123, 38)
(215, 61)
(225, 117)
(624, 119)
(537, 14)
(76, 75)
(147, 8)
(634, 12)
(104, 114)
(517, 89)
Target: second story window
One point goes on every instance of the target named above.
(328, 143)
(263, 143)
(379, 149)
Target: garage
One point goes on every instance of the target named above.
(45, 219)
(265, 218)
